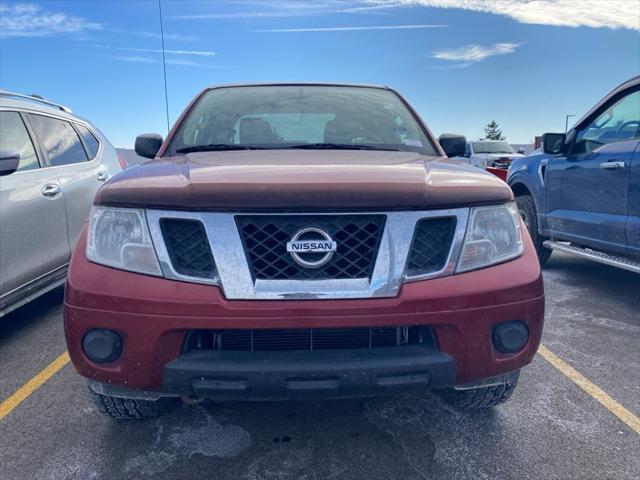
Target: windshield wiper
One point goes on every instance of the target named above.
(215, 147)
(339, 146)
(304, 146)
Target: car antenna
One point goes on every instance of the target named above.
(164, 66)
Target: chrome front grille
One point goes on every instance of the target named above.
(245, 253)
(265, 237)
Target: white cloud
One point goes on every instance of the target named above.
(150, 60)
(475, 53)
(286, 8)
(215, 16)
(196, 53)
(375, 8)
(29, 20)
(267, 9)
(351, 29)
(133, 58)
(565, 13)
(178, 37)
(138, 56)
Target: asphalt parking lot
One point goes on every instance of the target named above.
(550, 429)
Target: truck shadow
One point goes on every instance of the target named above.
(612, 284)
(396, 437)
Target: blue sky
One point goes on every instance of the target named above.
(461, 63)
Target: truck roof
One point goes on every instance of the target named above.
(298, 84)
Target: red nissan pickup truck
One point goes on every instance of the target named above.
(301, 241)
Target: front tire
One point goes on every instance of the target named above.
(128, 408)
(481, 397)
(528, 214)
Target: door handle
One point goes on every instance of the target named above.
(51, 190)
(612, 165)
(102, 176)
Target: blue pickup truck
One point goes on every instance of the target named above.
(581, 193)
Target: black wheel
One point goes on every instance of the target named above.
(528, 214)
(128, 408)
(478, 398)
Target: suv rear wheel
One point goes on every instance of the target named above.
(528, 214)
(128, 408)
(481, 397)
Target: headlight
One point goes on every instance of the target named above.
(493, 236)
(119, 238)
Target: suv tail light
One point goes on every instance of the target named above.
(123, 161)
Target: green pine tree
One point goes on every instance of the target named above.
(492, 131)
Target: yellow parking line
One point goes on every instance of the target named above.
(576, 377)
(32, 385)
(605, 400)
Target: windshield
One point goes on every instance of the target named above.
(301, 117)
(492, 147)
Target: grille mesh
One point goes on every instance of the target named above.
(265, 238)
(430, 246)
(188, 247)
(306, 339)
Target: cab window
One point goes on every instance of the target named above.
(14, 137)
(618, 122)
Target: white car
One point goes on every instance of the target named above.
(490, 153)
(52, 162)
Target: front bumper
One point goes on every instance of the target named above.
(307, 374)
(154, 315)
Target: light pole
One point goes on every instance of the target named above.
(566, 123)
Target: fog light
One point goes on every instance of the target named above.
(510, 337)
(102, 345)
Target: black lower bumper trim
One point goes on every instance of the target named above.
(228, 375)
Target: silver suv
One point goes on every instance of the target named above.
(51, 164)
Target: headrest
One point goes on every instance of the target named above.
(255, 130)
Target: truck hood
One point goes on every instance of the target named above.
(293, 180)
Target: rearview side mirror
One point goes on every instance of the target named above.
(148, 144)
(553, 143)
(9, 161)
(453, 145)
